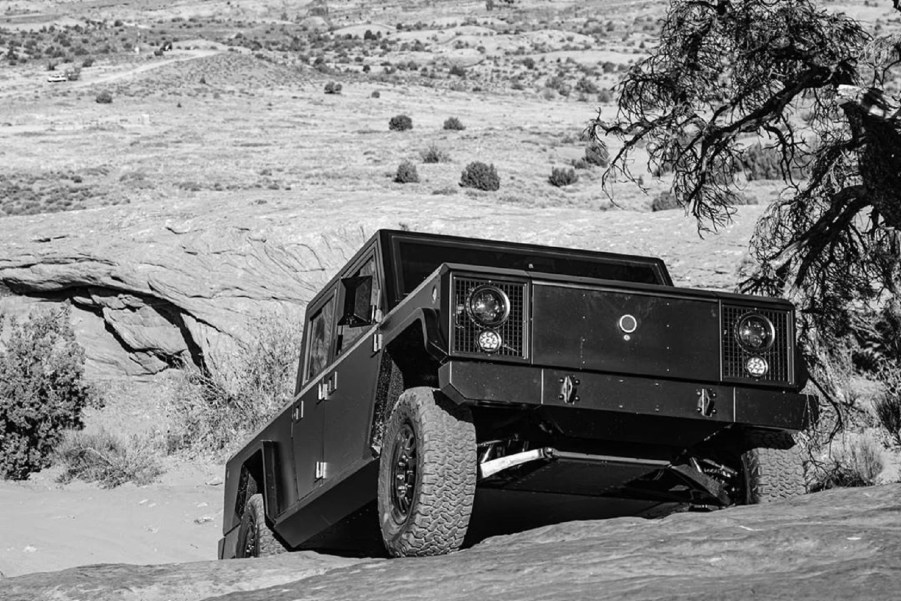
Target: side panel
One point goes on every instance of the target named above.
(349, 406)
(581, 327)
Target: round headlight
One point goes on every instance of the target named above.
(757, 367)
(490, 341)
(755, 333)
(488, 306)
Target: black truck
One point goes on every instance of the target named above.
(440, 373)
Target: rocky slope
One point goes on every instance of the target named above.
(158, 284)
(840, 544)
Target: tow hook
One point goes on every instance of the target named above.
(568, 390)
(706, 404)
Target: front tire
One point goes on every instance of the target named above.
(773, 469)
(427, 475)
(255, 539)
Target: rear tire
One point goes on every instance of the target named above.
(255, 539)
(773, 469)
(427, 475)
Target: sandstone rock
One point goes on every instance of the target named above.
(831, 546)
(189, 281)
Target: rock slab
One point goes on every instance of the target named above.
(834, 545)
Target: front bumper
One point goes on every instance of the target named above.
(472, 382)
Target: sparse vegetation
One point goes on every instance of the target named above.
(453, 124)
(853, 460)
(887, 406)
(212, 411)
(664, 201)
(406, 173)
(434, 154)
(561, 176)
(105, 458)
(480, 176)
(597, 154)
(400, 123)
(43, 390)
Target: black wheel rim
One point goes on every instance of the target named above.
(403, 473)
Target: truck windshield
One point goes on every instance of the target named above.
(418, 258)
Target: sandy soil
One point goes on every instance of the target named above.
(46, 526)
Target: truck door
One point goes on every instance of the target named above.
(353, 379)
(308, 413)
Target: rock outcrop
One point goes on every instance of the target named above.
(187, 280)
(830, 546)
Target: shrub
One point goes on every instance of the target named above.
(664, 201)
(855, 460)
(887, 406)
(212, 411)
(597, 154)
(561, 176)
(103, 457)
(332, 88)
(400, 123)
(458, 71)
(480, 176)
(453, 124)
(764, 162)
(104, 97)
(406, 173)
(42, 390)
(375, 94)
(433, 154)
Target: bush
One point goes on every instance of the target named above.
(433, 154)
(480, 176)
(406, 173)
(400, 123)
(887, 406)
(664, 201)
(763, 162)
(332, 88)
(104, 97)
(854, 460)
(103, 457)
(457, 71)
(375, 94)
(453, 124)
(561, 176)
(214, 411)
(88, 62)
(597, 154)
(42, 390)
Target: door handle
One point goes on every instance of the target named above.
(327, 386)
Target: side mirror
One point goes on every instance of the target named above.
(357, 301)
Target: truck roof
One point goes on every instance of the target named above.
(412, 256)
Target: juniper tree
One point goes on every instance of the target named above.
(729, 73)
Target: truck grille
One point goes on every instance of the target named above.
(465, 332)
(779, 356)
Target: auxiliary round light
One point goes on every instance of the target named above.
(490, 341)
(755, 333)
(488, 305)
(757, 366)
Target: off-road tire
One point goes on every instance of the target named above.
(773, 468)
(255, 539)
(431, 516)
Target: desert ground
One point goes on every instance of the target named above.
(221, 185)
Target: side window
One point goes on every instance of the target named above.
(321, 332)
(366, 285)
